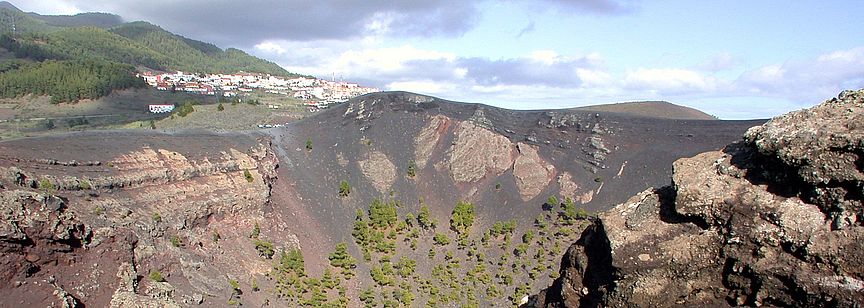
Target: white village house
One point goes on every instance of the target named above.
(161, 108)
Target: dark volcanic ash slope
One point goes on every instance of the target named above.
(463, 150)
(89, 217)
(775, 219)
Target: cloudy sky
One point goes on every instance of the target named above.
(733, 59)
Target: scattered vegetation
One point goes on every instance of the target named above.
(344, 189)
(46, 185)
(424, 219)
(235, 286)
(175, 241)
(156, 276)
(382, 214)
(412, 169)
(248, 176)
(294, 286)
(234, 299)
(79, 121)
(552, 201)
(487, 270)
(441, 239)
(185, 109)
(570, 214)
(264, 248)
(462, 217)
(308, 144)
(256, 231)
(342, 259)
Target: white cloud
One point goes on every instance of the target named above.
(672, 80)
(270, 47)
(547, 57)
(460, 72)
(591, 6)
(762, 79)
(807, 80)
(854, 55)
(386, 59)
(422, 86)
(594, 77)
(48, 7)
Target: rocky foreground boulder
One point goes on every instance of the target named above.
(773, 220)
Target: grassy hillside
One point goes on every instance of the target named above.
(194, 56)
(108, 50)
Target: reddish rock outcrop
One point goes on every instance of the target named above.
(532, 173)
(34, 229)
(567, 186)
(379, 170)
(71, 221)
(774, 220)
(428, 137)
(477, 151)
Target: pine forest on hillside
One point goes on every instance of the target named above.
(77, 60)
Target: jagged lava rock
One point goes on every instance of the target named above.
(755, 224)
(823, 149)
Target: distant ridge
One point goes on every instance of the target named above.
(652, 109)
(10, 6)
(99, 20)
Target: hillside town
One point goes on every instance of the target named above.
(319, 93)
